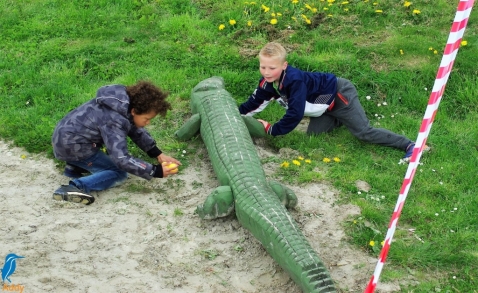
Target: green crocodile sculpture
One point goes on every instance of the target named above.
(260, 205)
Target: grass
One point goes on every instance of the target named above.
(56, 54)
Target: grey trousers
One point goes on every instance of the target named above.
(349, 112)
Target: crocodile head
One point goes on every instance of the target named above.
(212, 83)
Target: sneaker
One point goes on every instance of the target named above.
(73, 194)
(73, 171)
(409, 152)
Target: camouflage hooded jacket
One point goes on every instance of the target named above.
(105, 120)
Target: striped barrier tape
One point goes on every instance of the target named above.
(451, 49)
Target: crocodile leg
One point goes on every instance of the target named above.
(220, 203)
(285, 194)
(190, 128)
(256, 129)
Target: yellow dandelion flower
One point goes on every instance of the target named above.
(294, 18)
(308, 161)
(464, 43)
(285, 164)
(221, 27)
(249, 23)
(246, 3)
(23, 157)
(345, 3)
(265, 8)
(371, 243)
(355, 221)
(295, 1)
(346, 9)
(308, 6)
(431, 49)
(273, 21)
(379, 11)
(273, 14)
(407, 3)
(253, 3)
(382, 243)
(314, 10)
(336, 160)
(326, 160)
(326, 8)
(375, 3)
(303, 16)
(435, 52)
(308, 21)
(401, 52)
(232, 22)
(279, 14)
(295, 162)
(331, 1)
(330, 15)
(300, 158)
(416, 11)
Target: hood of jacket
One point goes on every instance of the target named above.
(115, 98)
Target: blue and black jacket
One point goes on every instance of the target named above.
(301, 93)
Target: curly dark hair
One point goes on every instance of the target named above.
(145, 97)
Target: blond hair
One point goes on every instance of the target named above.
(273, 50)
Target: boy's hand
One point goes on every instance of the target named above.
(163, 158)
(266, 125)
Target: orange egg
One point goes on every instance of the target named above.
(172, 166)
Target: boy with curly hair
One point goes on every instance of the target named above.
(328, 100)
(117, 112)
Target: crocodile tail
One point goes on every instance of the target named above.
(318, 278)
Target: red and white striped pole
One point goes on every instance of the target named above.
(454, 39)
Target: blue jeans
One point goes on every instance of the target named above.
(104, 173)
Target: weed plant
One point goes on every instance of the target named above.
(55, 54)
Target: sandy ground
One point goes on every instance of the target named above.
(131, 240)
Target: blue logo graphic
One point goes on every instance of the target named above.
(9, 266)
